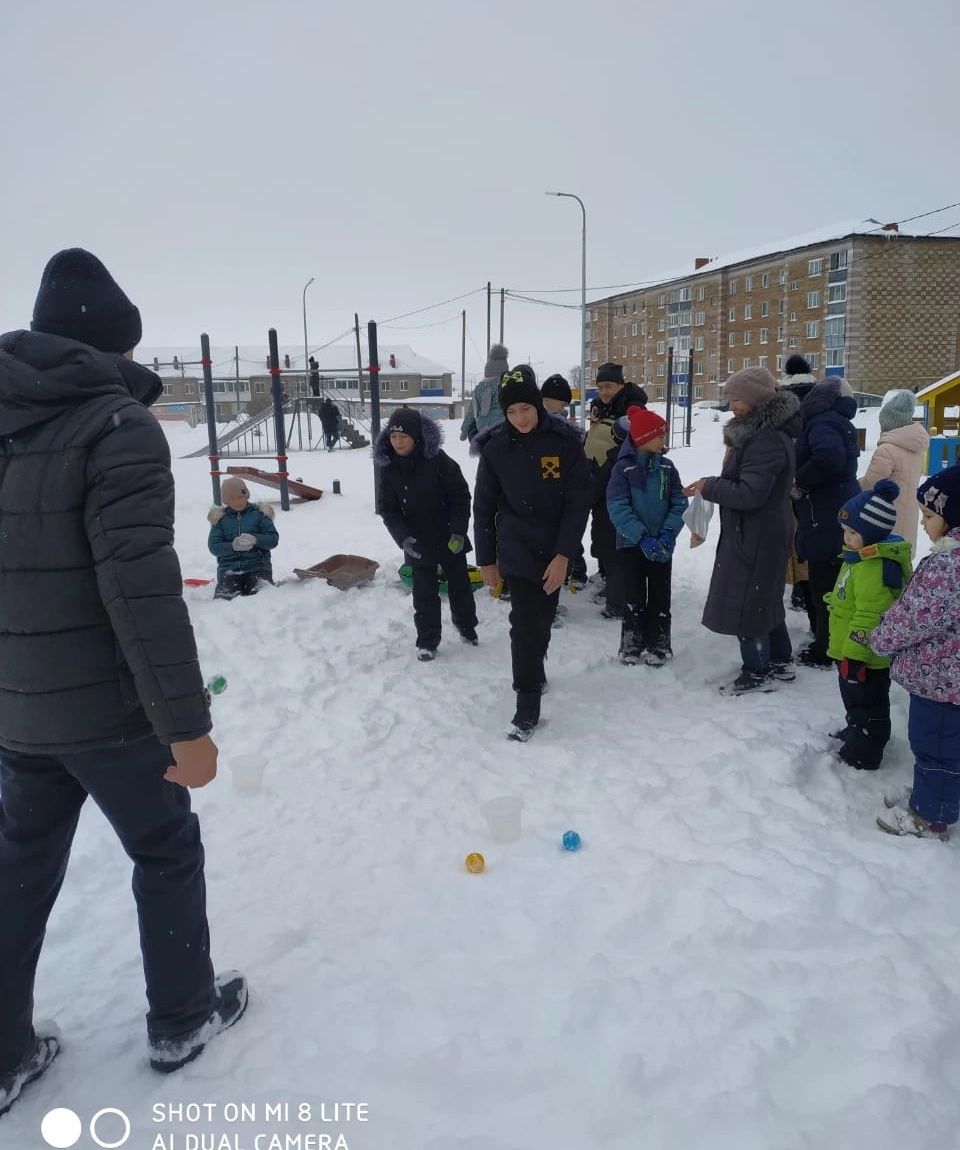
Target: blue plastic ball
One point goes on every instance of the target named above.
(571, 841)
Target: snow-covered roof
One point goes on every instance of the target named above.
(339, 359)
(831, 233)
(931, 389)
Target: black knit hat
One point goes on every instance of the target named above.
(79, 299)
(610, 373)
(519, 386)
(796, 365)
(556, 387)
(408, 421)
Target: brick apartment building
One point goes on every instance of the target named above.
(862, 300)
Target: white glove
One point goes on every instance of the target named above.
(244, 542)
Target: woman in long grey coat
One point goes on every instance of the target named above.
(756, 528)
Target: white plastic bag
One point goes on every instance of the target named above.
(697, 517)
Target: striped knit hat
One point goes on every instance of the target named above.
(872, 513)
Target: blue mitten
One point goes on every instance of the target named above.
(650, 547)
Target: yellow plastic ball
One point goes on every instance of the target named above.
(474, 863)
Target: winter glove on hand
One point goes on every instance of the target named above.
(409, 546)
(853, 671)
(455, 544)
(796, 493)
(244, 542)
(650, 547)
(666, 539)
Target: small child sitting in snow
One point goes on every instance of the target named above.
(922, 633)
(646, 504)
(876, 567)
(242, 535)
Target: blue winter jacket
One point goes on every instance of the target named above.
(827, 455)
(226, 525)
(644, 497)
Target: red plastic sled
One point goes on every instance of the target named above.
(197, 582)
(270, 479)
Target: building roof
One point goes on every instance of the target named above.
(339, 359)
(932, 390)
(831, 233)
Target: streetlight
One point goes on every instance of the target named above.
(306, 353)
(583, 308)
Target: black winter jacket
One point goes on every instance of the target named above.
(96, 647)
(423, 494)
(827, 456)
(532, 496)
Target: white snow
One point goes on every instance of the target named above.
(736, 957)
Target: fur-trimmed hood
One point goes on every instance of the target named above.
(215, 514)
(782, 413)
(430, 443)
(828, 396)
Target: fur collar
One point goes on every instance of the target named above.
(782, 413)
(215, 514)
(948, 542)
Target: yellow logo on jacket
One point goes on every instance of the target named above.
(549, 466)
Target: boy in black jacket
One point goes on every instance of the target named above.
(530, 506)
(425, 504)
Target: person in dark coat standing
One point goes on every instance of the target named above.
(100, 686)
(826, 478)
(756, 528)
(798, 378)
(425, 503)
(530, 506)
(605, 436)
(330, 423)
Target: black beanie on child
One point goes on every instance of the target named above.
(79, 299)
(408, 421)
(556, 387)
(519, 386)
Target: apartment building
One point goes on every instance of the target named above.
(863, 300)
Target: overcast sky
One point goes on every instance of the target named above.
(216, 154)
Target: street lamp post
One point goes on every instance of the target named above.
(306, 353)
(583, 307)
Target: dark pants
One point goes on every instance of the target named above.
(230, 584)
(330, 439)
(40, 801)
(426, 599)
(646, 615)
(934, 732)
(531, 617)
(823, 576)
(758, 654)
(868, 718)
(603, 547)
(578, 566)
(802, 600)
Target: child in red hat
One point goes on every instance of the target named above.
(646, 504)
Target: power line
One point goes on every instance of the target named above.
(423, 326)
(430, 307)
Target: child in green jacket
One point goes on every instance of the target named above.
(876, 567)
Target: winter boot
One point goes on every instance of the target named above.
(45, 1049)
(810, 657)
(169, 1054)
(654, 658)
(903, 820)
(470, 638)
(783, 672)
(426, 654)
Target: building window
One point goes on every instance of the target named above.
(698, 343)
(779, 363)
(765, 279)
(731, 366)
(765, 309)
(595, 356)
(661, 325)
(764, 335)
(384, 384)
(733, 288)
(813, 358)
(698, 387)
(813, 299)
(259, 387)
(838, 261)
(700, 319)
(780, 334)
(837, 293)
(700, 294)
(189, 389)
(593, 315)
(634, 330)
(815, 267)
(698, 367)
(624, 309)
(732, 339)
(661, 369)
(782, 306)
(794, 285)
(748, 283)
(168, 389)
(662, 300)
(404, 386)
(747, 362)
(811, 330)
(634, 307)
(762, 361)
(732, 315)
(747, 338)
(835, 357)
(793, 317)
(783, 276)
(748, 311)
(661, 346)
(793, 341)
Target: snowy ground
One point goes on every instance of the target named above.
(736, 958)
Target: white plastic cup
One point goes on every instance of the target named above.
(503, 817)
(247, 773)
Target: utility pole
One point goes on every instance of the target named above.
(488, 319)
(356, 332)
(463, 355)
(236, 365)
(503, 292)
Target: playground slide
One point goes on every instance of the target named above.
(271, 479)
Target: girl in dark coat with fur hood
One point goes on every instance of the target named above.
(756, 529)
(425, 503)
